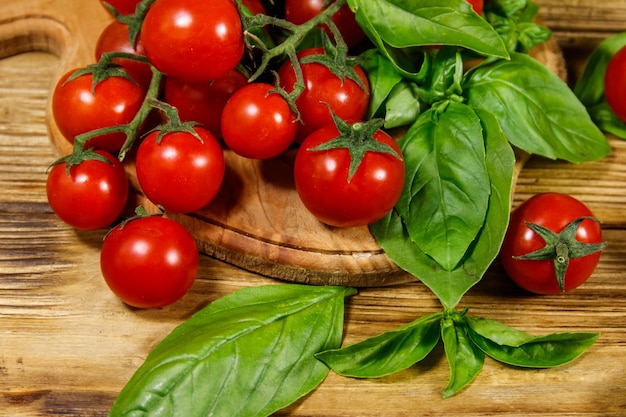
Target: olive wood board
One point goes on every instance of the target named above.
(257, 221)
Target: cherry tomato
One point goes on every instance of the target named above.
(180, 173)
(321, 179)
(203, 102)
(196, 41)
(123, 7)
(615, 84)
(258, 124)
(323, 89)
(149, 262)
(301, 11)
(92, 196)
(115, 101)
(553, 211)
(115, 38)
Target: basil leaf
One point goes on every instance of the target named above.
(515, 22)
(606, 120)
(536, 109)
(388, 352)
(498, 332)
(445, 201)
(449, 286)
(403, 105)
(250, 353)
(590, 86)
(444, 79)
(548, 351)
(382, 77)
(406, 23)
(464, 358)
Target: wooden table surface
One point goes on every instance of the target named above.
(67, 345)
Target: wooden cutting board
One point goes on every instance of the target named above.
(257, 221)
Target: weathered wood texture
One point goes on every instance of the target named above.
(67, 346)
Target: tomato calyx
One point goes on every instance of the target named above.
(358, 139)
(76, 158)
(133, 21)
(174, 123)
(104, 69)
(561, 247)
(337, 60)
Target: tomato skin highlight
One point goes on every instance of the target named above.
(553, 211)
(203, 102)
(323, 89)
(149, 262)
(615, 84)
(180, 173)
(321, 179)
(196, 41)
(115, 101)
(92, 197)
(257, 124)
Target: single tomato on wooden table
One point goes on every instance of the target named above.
(552, 244)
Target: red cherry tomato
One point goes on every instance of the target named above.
(301, 11)
(76, 110)
(321, 179)
(149, 262)
(203, 102)
(323, 89)
(196, 41)
(553, 211)
(615, 84)
(92, 196)
(115, 38)
(180, 173)
(123, 7)
(258, 124)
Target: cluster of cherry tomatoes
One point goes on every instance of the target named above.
(180, 93)
(189, 63)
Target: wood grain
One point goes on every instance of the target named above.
(67, 346)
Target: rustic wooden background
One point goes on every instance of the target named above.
(67, 346)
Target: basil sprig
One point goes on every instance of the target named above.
(249, 353)
(590, 86)
(466, 341)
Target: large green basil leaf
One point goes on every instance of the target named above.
(464, 358)
(538, 112)
(590, 86)
(382, 77)
(518, 348)
(249, 353)
(446, 190)
(388, 352)
(408, 23)
(449, 286)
